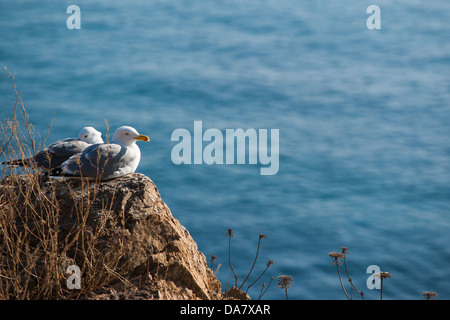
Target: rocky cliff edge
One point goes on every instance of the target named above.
(158, 251)
(120, 234)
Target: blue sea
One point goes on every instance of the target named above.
(363, 119)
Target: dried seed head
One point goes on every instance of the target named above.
(269, 263)
(262, 236)
(345, 250)
(230, 233)
(284, 282)
(336, 256)
(430, 295)
(382, 275)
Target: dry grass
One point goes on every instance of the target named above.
(34, 252)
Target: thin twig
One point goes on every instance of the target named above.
(230, 235)
(263, 293)
(344, 251)
(268, 265)
(261, 236)
(340, 279)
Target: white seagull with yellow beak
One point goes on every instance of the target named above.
(106, 161)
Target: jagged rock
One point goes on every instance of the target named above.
(128, 230)
(236, 294)
(156, 242)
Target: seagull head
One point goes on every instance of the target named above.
(126, 136)
(90, 135)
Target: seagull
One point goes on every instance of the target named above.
(56, 153)
(106, 161)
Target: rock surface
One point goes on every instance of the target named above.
(127, 217)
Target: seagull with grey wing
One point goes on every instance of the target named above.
(51, 157)
(106, 161)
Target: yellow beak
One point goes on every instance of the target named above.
(142, 137)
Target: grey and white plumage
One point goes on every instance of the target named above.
(52, 156)
(106, 161)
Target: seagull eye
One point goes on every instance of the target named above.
(85, 135)
(127, 133)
